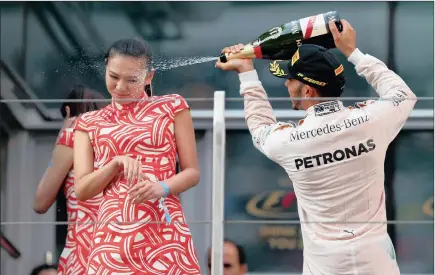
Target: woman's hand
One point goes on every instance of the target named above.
(132, 168)
(146, 190)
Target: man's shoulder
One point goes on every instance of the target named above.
(281, 126)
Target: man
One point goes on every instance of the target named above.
(234, 259)
(335, 156)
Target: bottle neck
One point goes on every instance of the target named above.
(248, 52)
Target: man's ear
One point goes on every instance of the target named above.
(310, 91)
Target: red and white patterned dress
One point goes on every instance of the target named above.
(74, 257)
(128, 239)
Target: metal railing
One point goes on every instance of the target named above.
(218, 183)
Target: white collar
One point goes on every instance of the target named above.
(325, 108)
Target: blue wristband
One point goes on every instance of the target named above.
(49, 164)
(165, 187)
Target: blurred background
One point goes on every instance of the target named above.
(47, 47)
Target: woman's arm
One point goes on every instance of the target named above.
(87, 182)
(186, 148)
(54, 176)
(189, 175)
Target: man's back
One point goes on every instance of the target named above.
(335, 158)
(336, 165)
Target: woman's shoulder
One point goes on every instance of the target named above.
(169, 97)
(92, 117)
(175, 99)
(66, 137)
(175, 102)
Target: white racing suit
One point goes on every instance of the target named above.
(335, 159)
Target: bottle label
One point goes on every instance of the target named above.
(273, 33)
(313, 26)
(255, 43)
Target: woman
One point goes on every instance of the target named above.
(135, 142)
(73, 259)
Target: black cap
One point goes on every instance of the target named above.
(314, 66)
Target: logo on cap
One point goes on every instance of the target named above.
(339, 70)
(295, 57)
(313, 81)
(275, 69)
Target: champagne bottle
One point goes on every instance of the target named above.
(280, 43)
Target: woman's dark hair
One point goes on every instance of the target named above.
(134, 47)
(77, 108)
(42, 267)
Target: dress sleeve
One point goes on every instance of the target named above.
(179, 104)
(81, 124)
(66, 137)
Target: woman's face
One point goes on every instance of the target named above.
(126, 77)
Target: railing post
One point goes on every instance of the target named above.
(218, 183)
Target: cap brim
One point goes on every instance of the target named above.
(279, 68)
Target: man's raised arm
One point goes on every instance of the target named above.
(259, 115)
(258, 111)
(396, 98)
